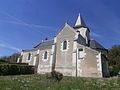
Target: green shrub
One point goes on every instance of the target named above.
(18, 63)
(2, 61)
(54, 75)
(15, 69)
(113, 70)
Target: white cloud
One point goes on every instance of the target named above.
(9, 46)
(93, 34)
(108, 19)
(26, 24)
(21, 22)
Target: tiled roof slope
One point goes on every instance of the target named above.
(42, 46)
(95, 45)
(45, 44)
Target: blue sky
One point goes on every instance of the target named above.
(24, 23)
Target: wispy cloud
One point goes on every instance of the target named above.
(21, 22)
(105, 16)
(8, 46)
(28, 25)
(18, 21)
(93, 34)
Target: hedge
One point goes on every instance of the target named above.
(2, 61)
(15, 69)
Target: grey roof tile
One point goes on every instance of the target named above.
(29, 50)
(45, 44)
(95, 45)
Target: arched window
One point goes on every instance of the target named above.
(64, 45)
(45, 55)
(29, 56)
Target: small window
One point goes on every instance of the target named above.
(64, 45)
(29, 56)
(45, 55)
(80, 53)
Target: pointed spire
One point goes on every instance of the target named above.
(80, 21)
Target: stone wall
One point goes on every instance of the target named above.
(90, 65)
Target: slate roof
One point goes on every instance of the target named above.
(28, 50)
(43, 45)
(95, 45)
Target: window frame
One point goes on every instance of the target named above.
(62, 45)
(65, 44)
(80, 50)
(29, 56)
(45, 55)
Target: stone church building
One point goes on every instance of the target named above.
(71, 52)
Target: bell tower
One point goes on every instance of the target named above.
(81, 27)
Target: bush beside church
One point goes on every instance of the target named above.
(8, 68)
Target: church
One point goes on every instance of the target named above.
(71, 52)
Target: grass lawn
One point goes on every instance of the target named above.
(39, 82)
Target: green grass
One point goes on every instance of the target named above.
(39, 82)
